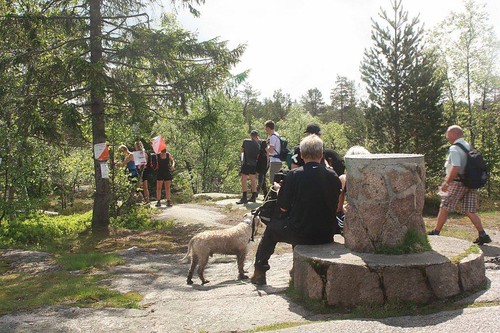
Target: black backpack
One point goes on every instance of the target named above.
(475, 172)
(284, 151)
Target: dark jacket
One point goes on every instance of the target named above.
(310, 195)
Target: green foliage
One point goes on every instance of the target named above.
(139, 218)
(468, 49)
(313, 102)
(413, 242)
(473, 249)
(42, 230)
(79, 261)
(207, 142)
(27, 292)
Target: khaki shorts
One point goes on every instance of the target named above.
(458, 193)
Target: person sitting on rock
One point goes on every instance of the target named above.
(307, 201)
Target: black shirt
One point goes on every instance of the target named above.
(311, 194)
(251, 150)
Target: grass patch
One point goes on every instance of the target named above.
(27, 292)
(279, 326)
(4, 266)
(472, 249)
(413, 242)
(79, 261)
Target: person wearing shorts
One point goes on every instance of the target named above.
(166, 164)
(455, 191)
(250, 150)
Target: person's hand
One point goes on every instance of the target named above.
(444, 187)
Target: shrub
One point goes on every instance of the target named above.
(135, 218)
(40, 229)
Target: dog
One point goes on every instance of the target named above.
(232, 240)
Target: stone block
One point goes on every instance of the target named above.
(352, 285)
(306, 279)
(402, 180)
(405, 284)
(472, 272)
(373, 185)
(443, 279)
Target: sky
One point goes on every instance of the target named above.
(297, 45)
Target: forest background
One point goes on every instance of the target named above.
(74, 73)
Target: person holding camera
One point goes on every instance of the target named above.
(307, 202)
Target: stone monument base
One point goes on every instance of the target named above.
(341, 277)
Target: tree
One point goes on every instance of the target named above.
(404, 109)
(343, 98)
(278, 107)
(468, 52)
(117, 67)
(313, 102)
(250, 104)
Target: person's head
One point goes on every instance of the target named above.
(334, 160)
(313, 129)
(269, 126)
(311, 148)
(123, 149)
(357, 150)
(254, 135)
(138, 146)
(164, 151)
(453, 133)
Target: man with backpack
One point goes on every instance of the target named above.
(455, 190)
(273, 149)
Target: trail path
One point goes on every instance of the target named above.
(226, 304)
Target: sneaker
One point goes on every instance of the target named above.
(169, 204)
(158, 203)
(433, 233)
(482, 240)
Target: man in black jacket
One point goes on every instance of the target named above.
(307, 201)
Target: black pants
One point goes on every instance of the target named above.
(276, 231)
(261, 183)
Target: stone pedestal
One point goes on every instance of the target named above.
(332, 273)
(386, 198)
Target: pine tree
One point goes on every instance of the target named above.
(404, 112)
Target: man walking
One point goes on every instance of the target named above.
(250, 149)
(455, 190)
(273, 150)
(308, 201)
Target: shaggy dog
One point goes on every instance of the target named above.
(233, 240)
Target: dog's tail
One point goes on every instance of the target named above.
(189, 251)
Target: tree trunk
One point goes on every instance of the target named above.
(100, 213)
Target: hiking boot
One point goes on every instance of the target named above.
(259, 276)
(158, 203)
(482, 240)
(169, 204)
(253, 198)
(243, 199)
(433, 233)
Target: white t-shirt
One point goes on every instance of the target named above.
(274, 141)
(456, 157)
